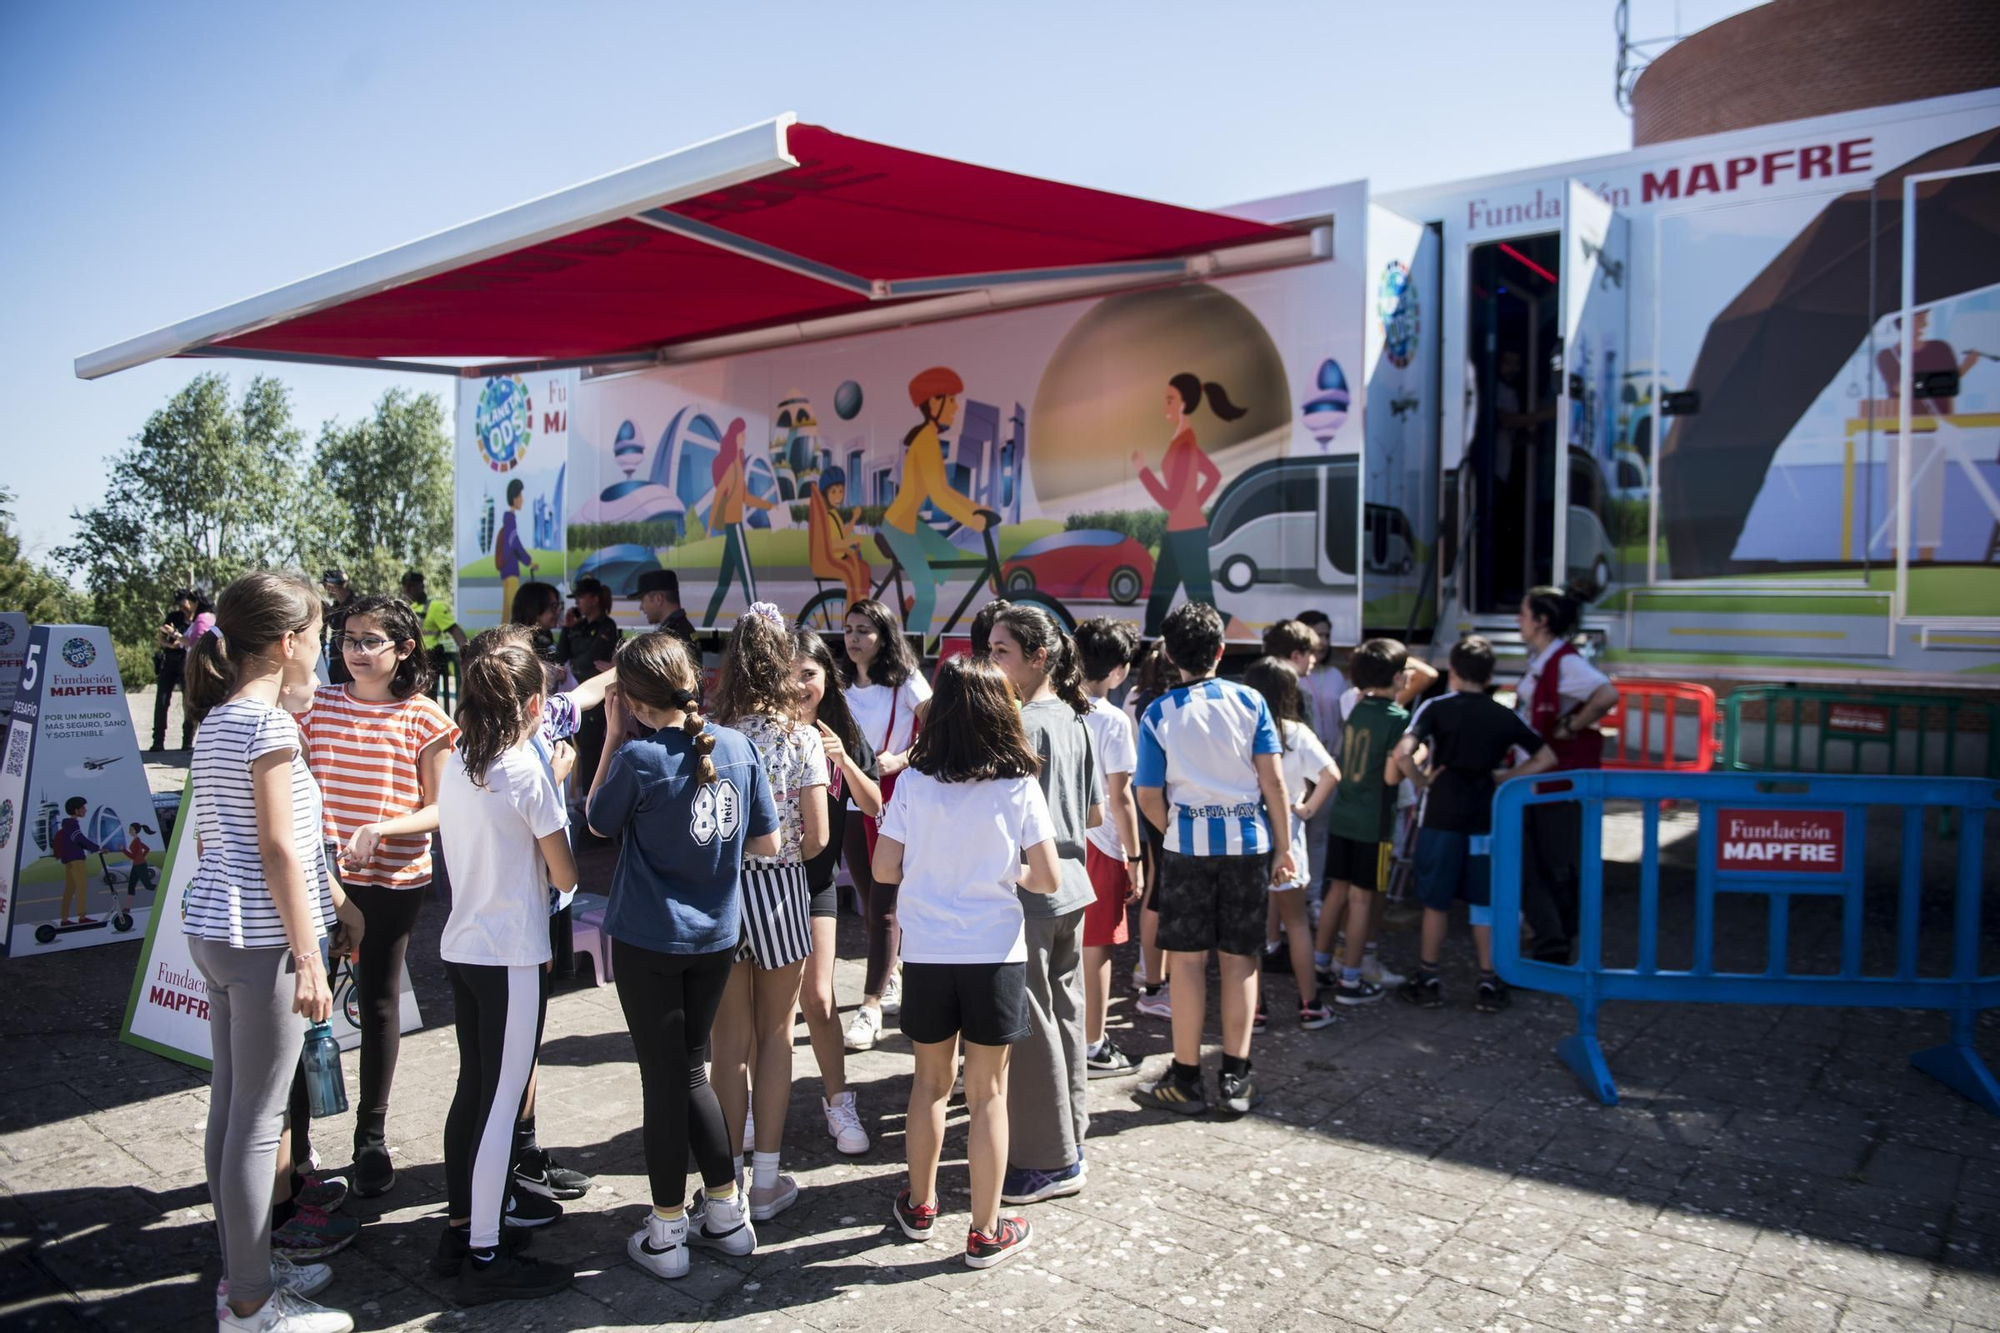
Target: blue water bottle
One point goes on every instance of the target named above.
(326, 1090)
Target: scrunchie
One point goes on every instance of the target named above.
(769, 611)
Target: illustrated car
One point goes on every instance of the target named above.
(1087, 564)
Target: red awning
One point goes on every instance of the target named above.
(775, 226)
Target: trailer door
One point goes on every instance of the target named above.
(1591, 359)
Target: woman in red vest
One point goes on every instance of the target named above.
(1562, 697)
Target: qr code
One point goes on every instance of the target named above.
(17, 752)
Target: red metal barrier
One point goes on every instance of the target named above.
(1643, 731)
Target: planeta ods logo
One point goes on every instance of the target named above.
(79, 652)
(502, 421)
(1396, 306)
(6, 634)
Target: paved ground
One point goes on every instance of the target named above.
(1775, 1170)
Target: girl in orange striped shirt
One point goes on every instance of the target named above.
(377, 746)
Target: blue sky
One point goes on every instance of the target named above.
(161, 160)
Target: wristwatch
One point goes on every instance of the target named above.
(1135, 860)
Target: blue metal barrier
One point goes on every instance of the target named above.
(1779, 835)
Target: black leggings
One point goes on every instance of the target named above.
(389, 916)
(1549, 881)
(498, 1012)
(670, 1001)
(878, 908)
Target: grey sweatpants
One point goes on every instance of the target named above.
(1048, 1110)
(255, 1040)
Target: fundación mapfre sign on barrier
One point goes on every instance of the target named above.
(1803, 841)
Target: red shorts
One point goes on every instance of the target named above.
(1104, 919)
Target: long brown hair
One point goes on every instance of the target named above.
(501, 677)
(659, 670)
(756, 671)
(253, 613)
(1035, 630)
(972, 732)
(894, 662)
(833, 709)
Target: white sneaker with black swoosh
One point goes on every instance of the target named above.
(661, 1247)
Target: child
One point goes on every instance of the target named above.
(1114, 855)
(142, 875)
(887, 694)
(1361, 828)
(1150, 679)
(754, 1024)
(819, 703)
(73, 850)
(1210, 779)
(1306, 765)
(504, 825)
(256, 911)
(967, 827)
(1297, 644)
(1468, 736)
(378, 746)
(686, 801)
(1048, 1109)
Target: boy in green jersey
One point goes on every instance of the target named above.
(1361, 827)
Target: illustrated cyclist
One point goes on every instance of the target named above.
(934, 393)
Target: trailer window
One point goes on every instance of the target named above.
(1342, 541)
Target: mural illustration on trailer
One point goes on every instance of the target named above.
(77, 832)
(512, 461)
(1114, 456)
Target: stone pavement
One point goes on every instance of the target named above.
(1769, 1170)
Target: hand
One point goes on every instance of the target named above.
(348, 929)
(572, 618)
(563, 760)
(361, 847)
(1299, 812)
(892, 764)
(836, 753)
(1137, 889)
(1283, 869)
(310, 995)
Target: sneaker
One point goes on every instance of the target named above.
(1277, 958)
(509, 1277)
(453, 1242)
(843, 1123)
(1156, 1004)
(1239, 1094)
(1009, 1237)
(1359, 991)
(1424, 991)
(1261, 1019)
(1109, 1062)
(1386, 978)
(864, 1028)
(1314, 1015)
(306, 1280)
(1170, 1093)
(373, 1173)
(285, 1312)
(892, 993)
(536, 1171)
(1492, 995)
(916, 1219)
(766, 1204)
(525, 1208)
(1027, 1185)
(661, 1247)
(314, 1233)
(326, 1193)
(724, 1226)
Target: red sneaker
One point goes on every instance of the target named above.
(916, 1219)
(1009, 1238)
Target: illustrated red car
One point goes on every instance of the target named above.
(1089, 564)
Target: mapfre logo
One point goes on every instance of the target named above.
(1799, 841)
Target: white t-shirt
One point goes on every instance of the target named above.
(1578, 681)
(499, 882)
(1323, 688)
(1303, 761)
(962, 849)
(1117, 752)
(885, 717)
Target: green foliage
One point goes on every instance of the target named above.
(1148, 527)
(135, 664)
(24, 585)
(381, 493)
(596, 536)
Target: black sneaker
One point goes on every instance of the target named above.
(509, 1277)
(1358, 991)
(1239, 1094)
(453, 1244)
(1172, 1093)
(373, 1174)
(916, 1219)
(1278, 959)
(1492, 995)
(1424, 990)
(527, 1209)
(536, 1170)
(1315, 1014)
(1109, 1062)
(1009, 1237)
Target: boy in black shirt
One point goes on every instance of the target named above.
(1466, 736)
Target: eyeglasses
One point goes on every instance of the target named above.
(368, 647)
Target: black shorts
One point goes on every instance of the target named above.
(1365, 865)
(1213, 902)
(825, 901)
(985, 1003)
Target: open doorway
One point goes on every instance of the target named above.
(1515, 341)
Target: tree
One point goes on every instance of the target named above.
(208, 489)
(24, 585)
(382, 492)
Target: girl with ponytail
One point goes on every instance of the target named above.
(685, 801)
(1046, 1100)
(1183, 486)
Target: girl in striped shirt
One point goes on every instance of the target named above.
(378, 747)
